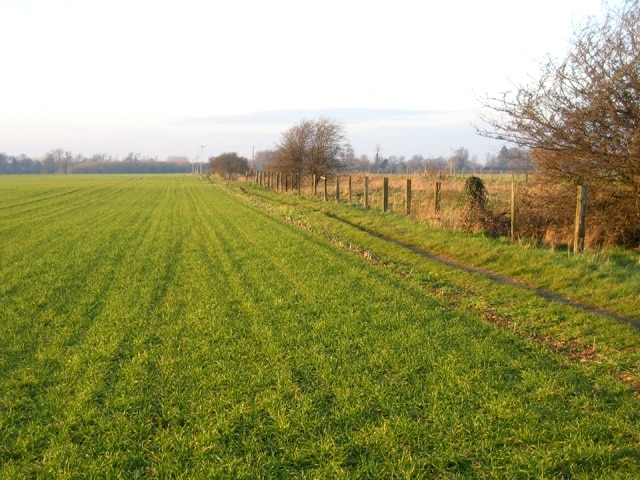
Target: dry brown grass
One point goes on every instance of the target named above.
(547, 212)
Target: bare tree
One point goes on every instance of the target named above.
(292, 153)
(581, 118)
(459, 159)
(263, 158)
(57, 161)
(229, 162)
(315, 148)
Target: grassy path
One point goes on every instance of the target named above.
(157, 327)
(497, 277)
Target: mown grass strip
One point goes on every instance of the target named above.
(498, 278)
(177, 331)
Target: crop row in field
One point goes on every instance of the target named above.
(161, 327)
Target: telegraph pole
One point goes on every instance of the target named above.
(201, 157)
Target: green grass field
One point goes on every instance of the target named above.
(167, 327)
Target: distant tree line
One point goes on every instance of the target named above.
(310, 147)
(512, 159)
(60, 161)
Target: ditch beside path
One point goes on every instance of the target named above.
(547, 294)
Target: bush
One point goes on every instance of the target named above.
(548, 214)
(477, 215)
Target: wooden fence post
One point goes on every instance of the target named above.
(326, 193)
(515, 210)
(385, 194)
(315, 184)
(437, 195)
(408, 205)
(337, 188)
(350, 199)
(298, 181)
(366, 192)
(581, 213)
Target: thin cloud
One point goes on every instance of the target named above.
(344, 115)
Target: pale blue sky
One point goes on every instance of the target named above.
(164, 77)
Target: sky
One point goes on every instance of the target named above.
(163, 78)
